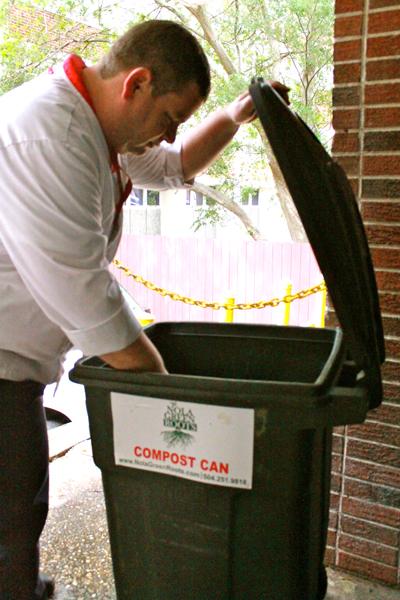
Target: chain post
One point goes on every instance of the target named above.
(229, 311)
(287, 305)
(323, 306)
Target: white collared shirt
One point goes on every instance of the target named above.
(57, 239)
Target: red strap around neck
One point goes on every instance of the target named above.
(73, 68)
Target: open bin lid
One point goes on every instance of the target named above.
(328, 209)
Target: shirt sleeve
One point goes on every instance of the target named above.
(159, 168)
(52, 222)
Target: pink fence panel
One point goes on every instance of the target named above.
(213, 270)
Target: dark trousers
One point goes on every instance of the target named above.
(23, 488)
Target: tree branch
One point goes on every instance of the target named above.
(200, 14)
(230, 205)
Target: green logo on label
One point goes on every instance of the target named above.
(181, 423)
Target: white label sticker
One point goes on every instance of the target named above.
(209, 444)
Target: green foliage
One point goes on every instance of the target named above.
(212, 214)
(33, 38)
(247, 192)
(153, 198)
(304, 31)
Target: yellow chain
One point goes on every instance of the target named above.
(217, 305)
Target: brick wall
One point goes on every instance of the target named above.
(364, 534)
(58, 33)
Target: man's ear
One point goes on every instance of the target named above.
(138, 78)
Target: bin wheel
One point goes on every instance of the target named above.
(322, 583)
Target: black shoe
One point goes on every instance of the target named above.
(49, 586)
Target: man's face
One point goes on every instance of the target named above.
(149, 120)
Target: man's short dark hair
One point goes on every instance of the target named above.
(171, 52)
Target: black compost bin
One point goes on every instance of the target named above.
(217, 476)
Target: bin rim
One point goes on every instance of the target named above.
(328, 209)
(92, 371)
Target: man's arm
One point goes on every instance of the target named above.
(140, 356)
(202, 144)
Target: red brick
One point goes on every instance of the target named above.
(331, 538)
(388, 281)
(381, 165)
(372, 473)
(344, 51)
(350, 164)
(343, 6)
(391, 326)
(386, 258)
(391, 371)
(370, 569)
(377, 494)
(381, 188)
(383, 69)
(374, 513)
(346, 119)
(381, 211)
(384, 21)
(382, 141)
(329, 556)
(348, 26)
(334, 501)
(376, 432)
(373, 4)
(72, 38)
(382, 93)
(370, 550)
(391, 392)
(336, 483)
(390, 303)
(369, 531)
(388, 45)
(346, 96)
(337, 444)
(337, 462)
(382, 117)
(347, 73)
(388, 235)
(386, 413)
(393, 351)
(333, 519)
(346, 142)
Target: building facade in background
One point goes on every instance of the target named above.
(176, 213)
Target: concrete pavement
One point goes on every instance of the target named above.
(75, 548)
